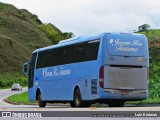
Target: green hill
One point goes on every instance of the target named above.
(153, 36)
(21, 32)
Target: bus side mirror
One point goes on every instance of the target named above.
(26, 68)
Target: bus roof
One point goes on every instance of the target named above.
(75, 40)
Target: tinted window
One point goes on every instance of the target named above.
(69, 54)
(92, 50)
(31, 70)
(41, 60)
(59, 56)
(80, 52)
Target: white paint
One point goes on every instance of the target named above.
(56, 72)
(129, 46)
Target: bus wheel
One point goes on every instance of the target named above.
(72, 104)
(87, 104)
(77, 102)
(116, 103)
(40, 102)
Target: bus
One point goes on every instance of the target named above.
(109, 68)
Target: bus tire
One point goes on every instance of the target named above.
(40, 102)
(72, 104)
(87, 104)
(77, 101)
(116, 103)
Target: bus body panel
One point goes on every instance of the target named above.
(58, 85)
(31, 95)
(123, 78)
(125, 68)
(112, 94)
(126, 45)
(126, 50)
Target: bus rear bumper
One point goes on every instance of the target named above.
(124, 94)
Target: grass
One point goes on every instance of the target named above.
(20, 98)
(20, 34)
(153, 35)
(148, 101)
(23, 98)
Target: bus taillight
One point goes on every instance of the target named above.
(101, 77)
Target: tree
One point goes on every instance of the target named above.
(144, 27)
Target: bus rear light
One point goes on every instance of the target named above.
(101, 77)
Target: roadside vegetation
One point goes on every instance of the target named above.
(6, 80)
(153, 36)
(148, 101)
(21, 32)
(20, 98)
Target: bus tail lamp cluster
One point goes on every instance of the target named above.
(101, 77)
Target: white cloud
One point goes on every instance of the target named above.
(86, 17)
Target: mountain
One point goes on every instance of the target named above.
(21, 32)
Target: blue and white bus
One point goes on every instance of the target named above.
(109, 68)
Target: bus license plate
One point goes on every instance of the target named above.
(125, 93)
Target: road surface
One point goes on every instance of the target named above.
(6, 107)
(66, 107)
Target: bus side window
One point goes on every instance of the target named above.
(81, 52)
(31, 70)
(59, 56)
(92, 50)
(41, 60)
(69, 54)
(52, 58)
(33, 59)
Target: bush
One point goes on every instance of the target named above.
(154, 86)
(6, 80)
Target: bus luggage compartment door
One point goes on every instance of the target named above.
(125, 77)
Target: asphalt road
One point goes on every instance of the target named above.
(7, 92)
(66, 107)
(5, 107)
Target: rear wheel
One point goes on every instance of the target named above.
(77, 102)
(40, 102)
(116, 103)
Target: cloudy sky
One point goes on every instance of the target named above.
(88, 17)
